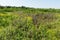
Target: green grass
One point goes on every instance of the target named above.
(29, 24)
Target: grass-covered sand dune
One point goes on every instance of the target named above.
(23, 23)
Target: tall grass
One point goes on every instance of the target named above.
(29, 24)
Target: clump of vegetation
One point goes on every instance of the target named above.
(23, 23)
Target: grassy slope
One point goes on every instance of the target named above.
(29, 24)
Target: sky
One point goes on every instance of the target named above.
(32, 3)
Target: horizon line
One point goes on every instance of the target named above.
(32, 7)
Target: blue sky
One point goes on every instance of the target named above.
(32, 3)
